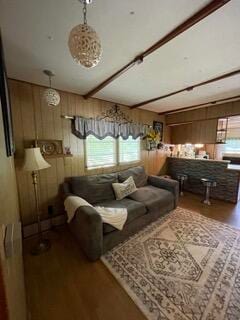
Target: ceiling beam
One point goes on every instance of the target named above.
(199, 105)
(200, 15)
(189, 88)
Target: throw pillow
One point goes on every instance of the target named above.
(124, 189)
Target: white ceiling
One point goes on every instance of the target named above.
(209, 49)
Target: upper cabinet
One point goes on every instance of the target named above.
(203, 125)
(203, 131)
(181, 134)
(224, 110)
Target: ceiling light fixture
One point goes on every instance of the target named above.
(84, 43)
(50, 95)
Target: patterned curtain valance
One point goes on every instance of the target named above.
(83, 127)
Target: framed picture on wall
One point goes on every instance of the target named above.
(6, 107)
(158, 126)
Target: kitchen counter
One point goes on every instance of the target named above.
(234, 167)
(200, 159)
(226, 175)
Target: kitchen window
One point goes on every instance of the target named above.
(233, 135)
(232, 145)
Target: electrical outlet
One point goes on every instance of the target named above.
(50, 210)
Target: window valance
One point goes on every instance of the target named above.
(83, 127)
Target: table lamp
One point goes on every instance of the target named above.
(34, 162)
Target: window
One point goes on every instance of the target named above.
(233, 135)
(232, 145)
(129, 150)
(100, 152)
(110, 151)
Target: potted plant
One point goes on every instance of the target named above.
(153, 139)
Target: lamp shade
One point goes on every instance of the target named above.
(34, 160)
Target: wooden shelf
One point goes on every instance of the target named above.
(57, 156)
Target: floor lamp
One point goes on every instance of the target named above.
(34, 161)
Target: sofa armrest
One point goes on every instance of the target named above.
(165, 183)
(87, 228)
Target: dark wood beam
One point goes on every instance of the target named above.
(200, 15)
(189, 88)
(199, 105)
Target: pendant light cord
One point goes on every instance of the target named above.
(85, 12)
(50, 81)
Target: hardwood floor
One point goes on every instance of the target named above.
(63, 285)
(219, 210)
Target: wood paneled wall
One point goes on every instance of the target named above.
(211, 112)
(26, 100)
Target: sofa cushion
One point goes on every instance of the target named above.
(138, 174)
(152, 197)
(135, 210)
(94, 188)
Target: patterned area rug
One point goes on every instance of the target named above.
(183, 266)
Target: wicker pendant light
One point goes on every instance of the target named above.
(84, 43)
(50, 95)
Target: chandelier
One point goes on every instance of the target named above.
(51, 96)
(84, 43)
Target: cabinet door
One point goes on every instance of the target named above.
(181, 134)
(196, 132)
(204, 131)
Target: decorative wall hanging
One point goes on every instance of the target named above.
(50, 95)
(116, 115)
(84, 43)
(50, 147)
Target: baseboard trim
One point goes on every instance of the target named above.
(32, 229)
